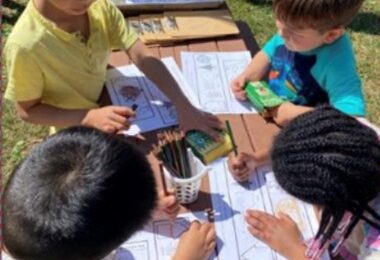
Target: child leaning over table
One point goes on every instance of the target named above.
(310, 61)
(80, 194)
(56, 58)
(332, 161)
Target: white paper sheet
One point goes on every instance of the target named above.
(230, 201)
(210, 74)
(159, 239)
(127, 85)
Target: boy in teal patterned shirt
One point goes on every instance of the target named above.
(310, 61)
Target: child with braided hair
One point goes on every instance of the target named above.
(328, 159)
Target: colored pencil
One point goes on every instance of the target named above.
(171, 150)
(231, 137)
(165, 188)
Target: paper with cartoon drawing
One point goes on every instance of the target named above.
(260, 192)
(127, 86)
(210, 74)
(159, 239)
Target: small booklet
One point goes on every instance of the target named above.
(261, 96)
(206, 148)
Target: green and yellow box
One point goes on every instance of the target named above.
(206, 148)
(261, 96)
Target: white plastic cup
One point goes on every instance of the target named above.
(187, 189)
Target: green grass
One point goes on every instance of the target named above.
(18, 137)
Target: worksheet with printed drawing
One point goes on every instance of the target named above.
(210, 74)
(260, 192)
(159, 239)
(128, 86)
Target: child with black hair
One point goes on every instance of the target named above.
(330, 160)
(80, 194)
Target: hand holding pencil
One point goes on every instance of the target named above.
(238, 166)
(237, 162)
(169, 204)
(242, 165)
(167, 199)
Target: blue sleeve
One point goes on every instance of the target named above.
(271, 45)
(343, 85)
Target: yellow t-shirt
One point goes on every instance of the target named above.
(46, 62)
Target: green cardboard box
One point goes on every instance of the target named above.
(261, 96)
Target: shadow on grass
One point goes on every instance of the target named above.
(16, 9)
(247, 37)
(366, 22)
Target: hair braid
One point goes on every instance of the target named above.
(329, 159)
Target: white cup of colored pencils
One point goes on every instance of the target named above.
(179, 168)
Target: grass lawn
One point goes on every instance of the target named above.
(18, 137)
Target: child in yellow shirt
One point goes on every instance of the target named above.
(56, 59)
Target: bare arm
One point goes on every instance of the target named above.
(189, 116)
(157, 72)
(33, 111)
(255, 71)
(258, 67)
(286, 112)
(108, 119)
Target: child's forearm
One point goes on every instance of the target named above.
(286, 112)
(48, 115)
(258, 67)
(297, 253)
(156, 71)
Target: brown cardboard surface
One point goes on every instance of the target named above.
(168, 27)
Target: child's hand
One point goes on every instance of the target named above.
(241, 166)
(109, 119)
(281, 234)
(237, 86)
(169, 204)
(197, 243)
(190, 118)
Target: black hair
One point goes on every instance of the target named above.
(77, 195)
(329, 159)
